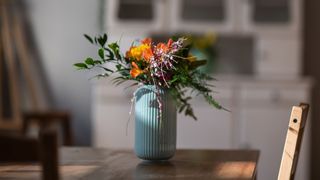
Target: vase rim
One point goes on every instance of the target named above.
(151, 86)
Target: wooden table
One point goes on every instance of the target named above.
(91, 163)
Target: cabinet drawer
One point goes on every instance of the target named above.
(291, 94)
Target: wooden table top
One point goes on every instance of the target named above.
(93, 163)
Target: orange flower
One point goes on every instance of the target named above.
(147, 54)
(137, 52)
(146, 41)
(135, 71)
(169, 43)
(163, 47)
(142, 51)
(129, 52)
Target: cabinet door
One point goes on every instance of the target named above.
(270, 11)
(138, 16)
(110, 126)
(271, 16)
(111, 106)
(203, 15)
(265, 128)
(278, 56)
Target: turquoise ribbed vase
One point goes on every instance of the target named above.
(155, 139)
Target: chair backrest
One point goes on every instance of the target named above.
(23, 82)
(44, 119)
(293, 141)
(15, 148)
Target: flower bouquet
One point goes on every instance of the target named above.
(163, 73)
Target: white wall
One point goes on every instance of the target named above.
(59, 26)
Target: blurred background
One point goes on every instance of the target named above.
(264, 54)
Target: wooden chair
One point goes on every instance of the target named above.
(25, 149)
(46, 118)
(293, 141)
(24, 96)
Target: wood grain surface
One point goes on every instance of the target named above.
(92, 163)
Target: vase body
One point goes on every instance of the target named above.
(155, 129)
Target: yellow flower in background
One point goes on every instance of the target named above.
(191, 58)
(136, 52)
(212, 37)
(205, 41)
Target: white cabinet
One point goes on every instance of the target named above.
(260, 104)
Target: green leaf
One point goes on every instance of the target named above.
(173, 80)
(213, 102)
(118, 66)
(97, 62)
(189, 112)
(89, 61)
(105, 38)
(106, 69)
(81, 65)
(102, 40)
(88, 38)
(101, 53)
(118, 80)
(111, 55)
(100, 76)
(115, 48)
(182, 108)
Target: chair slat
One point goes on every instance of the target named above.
(293, 141)
(44, 150)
